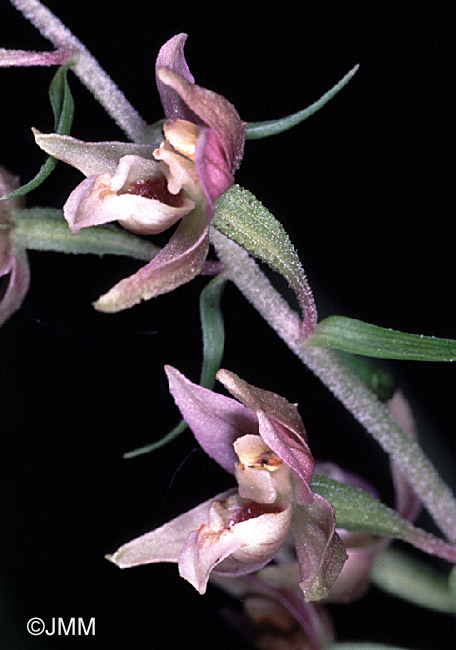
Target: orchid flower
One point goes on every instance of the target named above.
(260, 438)
(275, 614)
(148, 187)
(13, 259)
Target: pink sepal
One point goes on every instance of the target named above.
(216, 421)
(320, 551)
(281, 428)
(177, 263)
(27, 58)
(171, 55)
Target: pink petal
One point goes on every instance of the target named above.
(213, 111)
(164, 544)
(216, 421)
(90, 158)
(321, 553)
(236, 549)
(28, 58)
(281, 428)
(211, 167)
(171, 55)
(19, 282)
(177, 263)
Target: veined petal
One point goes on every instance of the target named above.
(164, 544)
(29, 58)
(321, 553)
(281, 428)
(212, 167)
(19, 282)
(212, 110)
(242, 539)
(90, 157)
(177, 263)
(216, 421)
(171, 55)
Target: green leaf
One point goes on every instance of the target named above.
(241, 217)
(63, 108)
(378, 380)
(403, 576)
(357, 510)
(357, 337)
(213, 331)
(452, 586)
(153, 446)
(44, 229)
(257, 130)
(357, 645)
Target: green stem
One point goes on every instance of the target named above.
(349, 389)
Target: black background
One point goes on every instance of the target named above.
(365, 190)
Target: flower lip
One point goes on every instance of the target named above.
(252, 510)
(156, 188)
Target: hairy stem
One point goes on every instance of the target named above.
(351, 391)
(87, 68)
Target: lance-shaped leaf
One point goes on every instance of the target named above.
(357, 337)
(216, 421)
(401, 575)
(452, 586)
(213, 331)
(377, 379)
(45, 229)
(241, 217)
(320, 551)
(358, 510)
(257, 130)
(280, 426)
(63, 109)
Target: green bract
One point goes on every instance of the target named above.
(213, 331)
(63, 109)
(357, 337)
(257, 130)
(243, 218)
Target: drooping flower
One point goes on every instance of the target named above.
(14, 268)
(260, 438)
(148, 187)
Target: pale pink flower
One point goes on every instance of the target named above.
(260, 438)
(148, 187)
